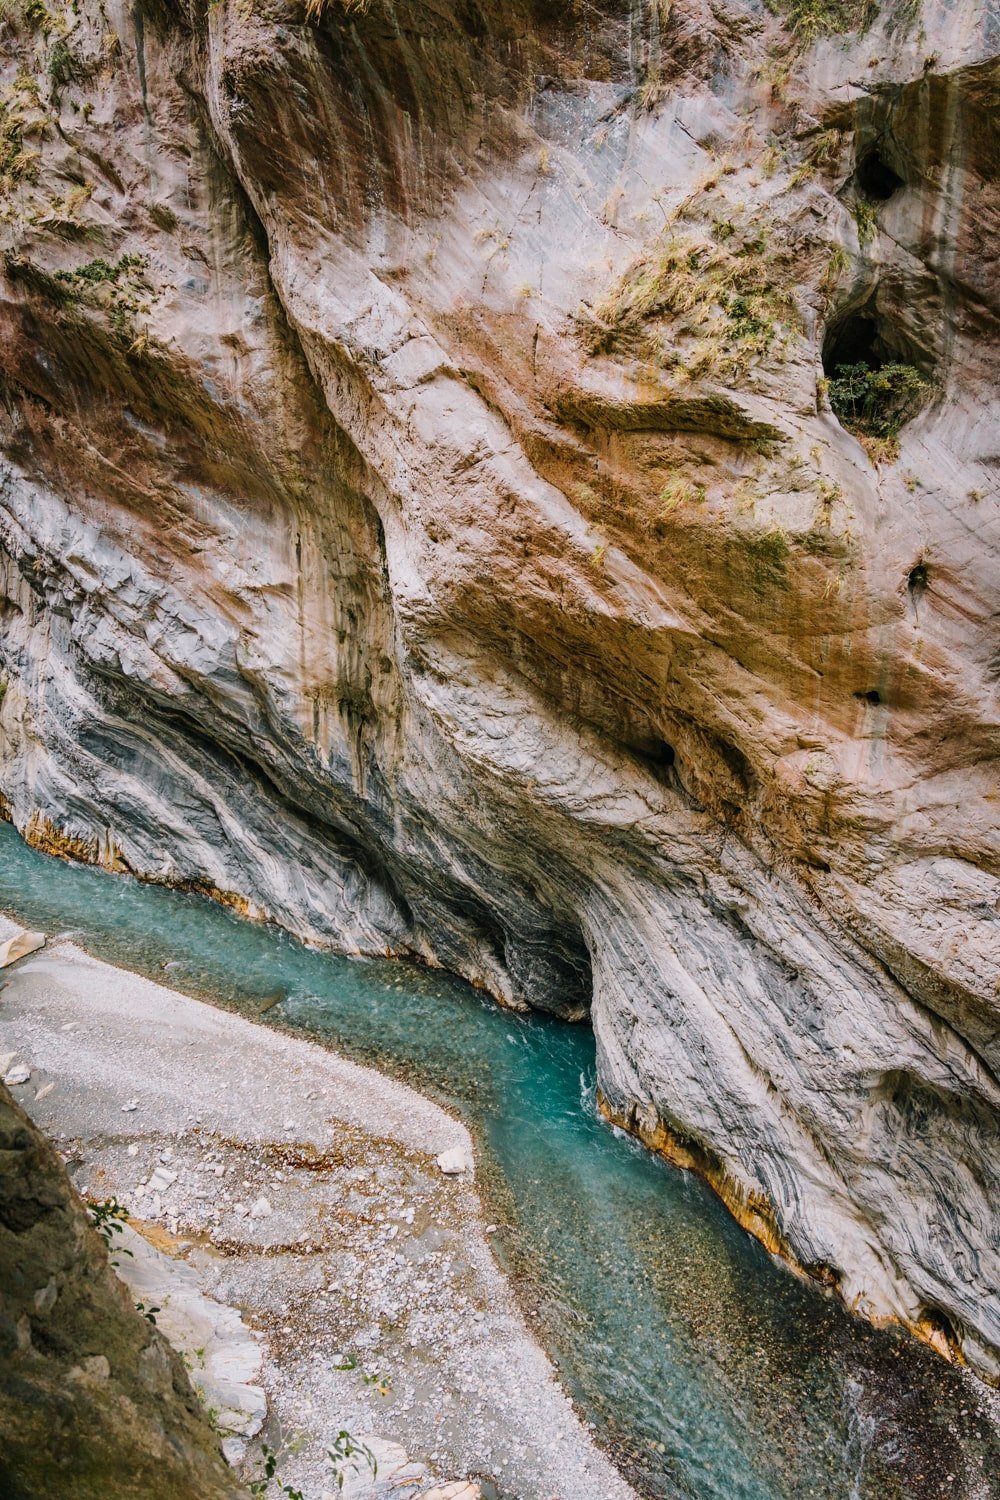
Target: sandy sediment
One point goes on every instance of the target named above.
(304, 1190)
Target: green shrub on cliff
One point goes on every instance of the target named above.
(119, 288)
(16, 163)
(875, 402)
(866, 218)
(64, 67)
(316, 8)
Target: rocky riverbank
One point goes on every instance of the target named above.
(307, 1194)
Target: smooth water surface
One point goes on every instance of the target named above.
(711, 1372)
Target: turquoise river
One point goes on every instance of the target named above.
(708, 1370)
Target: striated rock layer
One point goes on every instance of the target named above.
(423, 522)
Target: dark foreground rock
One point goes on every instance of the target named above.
(94, 1403)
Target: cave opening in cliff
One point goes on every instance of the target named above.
(854, 340)
(939, 1326)
(874, 177)
(875, 375)
(656, 755)
(917, 580)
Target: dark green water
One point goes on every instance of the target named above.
(711, 1372)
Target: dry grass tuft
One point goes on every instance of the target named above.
(315, 9)
(725, 297)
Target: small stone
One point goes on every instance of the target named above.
(261, 1209)
(95, 1368)
(129, 1106)
(45, 1299)
(234, 1450)
(133, 1150)
(161, 1180)
(454, 1162)
(44, 1091)
(16, 1075)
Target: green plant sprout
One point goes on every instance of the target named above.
(108, 1218)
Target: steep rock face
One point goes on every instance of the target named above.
(423, 522)
(93, 1401)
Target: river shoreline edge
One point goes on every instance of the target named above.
(537, 1369)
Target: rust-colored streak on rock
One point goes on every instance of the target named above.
(751, 1210)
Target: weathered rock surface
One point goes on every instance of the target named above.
(93, 1400)
(222, 1355)
(422, 521)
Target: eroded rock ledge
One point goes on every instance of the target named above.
(423, 522)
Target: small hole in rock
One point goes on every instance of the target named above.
(917, 579)
(656, 755)
(936, 1321)
(875, 178)
(871, 696)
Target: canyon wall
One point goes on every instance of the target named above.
(423, 522)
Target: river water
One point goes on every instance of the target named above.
(709, 1370)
